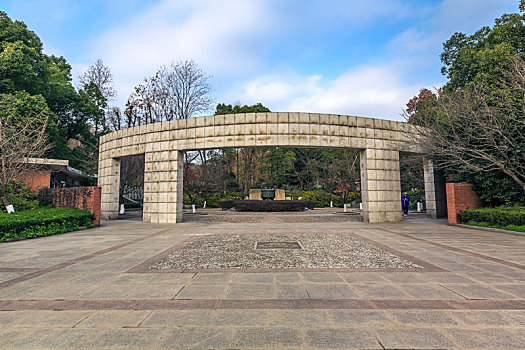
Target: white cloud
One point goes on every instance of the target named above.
(232, 40)
(374, 90)
(219, 36)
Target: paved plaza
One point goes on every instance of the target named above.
(95, 289)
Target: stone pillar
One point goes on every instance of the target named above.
(163, 190)
(435, 190)
(380, 185)
(109, 182)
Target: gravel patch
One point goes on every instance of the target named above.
(320, 250)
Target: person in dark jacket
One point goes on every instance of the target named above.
(405, 203)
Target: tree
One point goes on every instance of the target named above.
(176, 92)
(23, 123)
(485, 53)
(223, 108)
(101, 76)
(481, 127)
(475, 122)
(23, 66)
(98, 82)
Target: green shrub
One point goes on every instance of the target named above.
(225, 205)
(256, 205)
(502, 216)
(44, 197)
(20, 196)
(42, 222)
(212, 199)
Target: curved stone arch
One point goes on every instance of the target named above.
(380, 142)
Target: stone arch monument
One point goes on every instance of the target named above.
(163, 143)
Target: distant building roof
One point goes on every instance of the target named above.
(59, 165)
(47, 161)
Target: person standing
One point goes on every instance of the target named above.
(405, 203)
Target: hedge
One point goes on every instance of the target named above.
(256, 205)
(42, 222)
(502, 216)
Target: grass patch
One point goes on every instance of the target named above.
(42, 221)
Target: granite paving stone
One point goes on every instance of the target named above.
(491, 338)
(125, 338)
(99, 290)
(197, 338)
(114, 319)
(413, 338)
(427, 317)
(353, 318)
(49, 338)
(176, 318)
(345, 338)
(264, 337)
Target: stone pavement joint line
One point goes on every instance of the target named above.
(64, 264)
(459, 250)
(258, 304)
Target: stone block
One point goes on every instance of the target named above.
(304, 140)
(333, 119)
(199, 122)
(250, 129)
(240, 118)
(219, 120)
(282, 117)
(282, 128)
(393, 216)
(324, 141)
(229, 141)
(209, 131)
(239, 129)
(324, 129)
(314, 141)
(360, 122)
(261, 129)
(293, 140)
(261, 140)
(293, 117)
(250, 118)
(260, 118)
(273, 140)
(314, 118)
(271, 129)
(304, 129)
(229, 130)
(199, 132)
(293, 128)
(304, 118)
(209, 143)
(229, 119)
(199, 143)
(190, 144)
(343, 142)
(240, 140)
(250, 140)
(272, 118)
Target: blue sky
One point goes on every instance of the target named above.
(350, 57)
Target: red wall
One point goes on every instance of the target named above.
(460, 196)
(36, 179)
(84, 198)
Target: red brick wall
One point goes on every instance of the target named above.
(36, 179)
(460, 196)
(84, 198)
